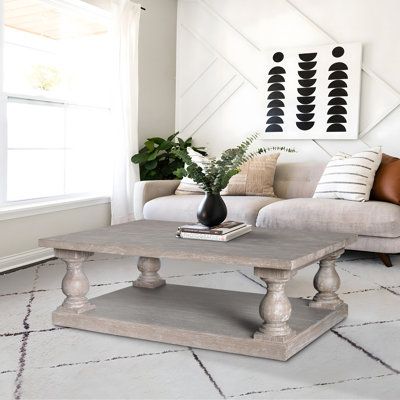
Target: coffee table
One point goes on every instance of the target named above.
(270, 326)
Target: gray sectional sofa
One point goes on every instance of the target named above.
(377, 223)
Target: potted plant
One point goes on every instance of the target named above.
(157, 161)
(216, 175)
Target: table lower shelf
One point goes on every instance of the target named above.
(199, 317)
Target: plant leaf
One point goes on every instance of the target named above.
(151, 165)
(139, 158)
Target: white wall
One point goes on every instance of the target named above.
(219, 46)
(157, 45)
(157, 60)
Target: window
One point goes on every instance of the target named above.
(55, 103)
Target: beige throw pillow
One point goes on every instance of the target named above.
(256, 177)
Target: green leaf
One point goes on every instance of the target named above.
(157, 140)
(165, 146)
(180, 173)
(149, 145)
(139, 158)
(151, 165)
(170, 138)
(152, 156)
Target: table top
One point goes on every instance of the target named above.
(264, 248)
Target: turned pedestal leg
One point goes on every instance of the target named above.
(275, 308)
(75, 284)
(149, 277)
(327, 282)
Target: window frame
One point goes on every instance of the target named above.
(18, 207)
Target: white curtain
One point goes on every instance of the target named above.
(125, 35)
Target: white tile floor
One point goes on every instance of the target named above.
(359, 359)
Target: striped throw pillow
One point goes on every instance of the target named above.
(349, 177)
(188, 185)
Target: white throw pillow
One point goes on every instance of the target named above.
(188, 185)
(349, 177)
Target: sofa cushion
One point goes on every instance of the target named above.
(372, 218)
(183, 208)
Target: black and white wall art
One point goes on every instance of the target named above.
(312, 93)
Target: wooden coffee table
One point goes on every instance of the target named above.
(270, 326)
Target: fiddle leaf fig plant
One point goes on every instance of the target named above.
(157, 160)
(216, 175)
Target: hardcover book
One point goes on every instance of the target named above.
(222, 229)
(225, 237)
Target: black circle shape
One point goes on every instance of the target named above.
(278, 57)
(338, 51)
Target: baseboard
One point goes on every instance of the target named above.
(25, 258)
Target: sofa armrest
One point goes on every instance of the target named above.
(145, 191)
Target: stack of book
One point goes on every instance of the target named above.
(223, 233)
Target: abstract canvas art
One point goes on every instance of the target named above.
(312, 93)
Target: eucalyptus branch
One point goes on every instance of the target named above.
(215, 176)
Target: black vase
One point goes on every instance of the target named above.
(212, 210)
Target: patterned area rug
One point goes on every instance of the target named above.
(358, 359)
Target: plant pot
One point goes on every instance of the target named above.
(212, 210)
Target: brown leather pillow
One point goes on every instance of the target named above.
(387, 181)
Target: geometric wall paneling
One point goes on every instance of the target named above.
(214, 80)
(386, 134)
(224, 40)
(380, 93)
(212, 107)
(266, 24)
(349, 146)
(312, 93)
(377, 101)
(232, 36)
(226, 126)
(217, 133)
(369, 21)
(197, 59)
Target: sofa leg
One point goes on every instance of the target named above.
(385, 258)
